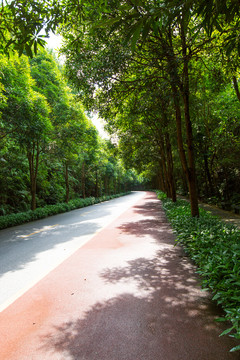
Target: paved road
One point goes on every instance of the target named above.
(28, 252)
(127, 294)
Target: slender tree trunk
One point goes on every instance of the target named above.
(190, 147)
(96, 184)
(170, 168)
(161, 178)
(105, 185)
(163, 165)
(33, 161)
(209, 179)
(67, 182)
(83, 180)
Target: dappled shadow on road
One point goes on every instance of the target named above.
(150, 222)
(22, 245)
(166, 318)
(161, 312)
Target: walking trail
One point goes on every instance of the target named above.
(226, 216)
(128, 294)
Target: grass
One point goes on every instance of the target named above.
(215, 248)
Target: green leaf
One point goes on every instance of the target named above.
(236, 348)
(136, 35)
(227, 331)
(220, 319)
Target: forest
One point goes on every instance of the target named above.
(50, 151)
(163, 75)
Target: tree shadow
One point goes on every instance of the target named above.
(161, 313)
(168, 318)
(21, 245)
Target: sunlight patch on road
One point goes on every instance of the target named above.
(45, 228)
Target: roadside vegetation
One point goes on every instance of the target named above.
(215, 248)
(164, 75)
(49, 210)
(50, 151)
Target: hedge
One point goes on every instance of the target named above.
(48, 210)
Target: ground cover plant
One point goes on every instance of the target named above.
(40, 213)
(215, 248)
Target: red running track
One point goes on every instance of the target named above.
(128, 294)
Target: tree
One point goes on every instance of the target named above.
(115, 59)
(70, 138)
(33, 137)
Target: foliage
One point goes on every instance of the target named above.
(215, 248)
(49, 149)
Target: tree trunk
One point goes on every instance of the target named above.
(33, 170)
(190, 147)
(170, 168)
(161, 179)
(235, 84)
(83, 180)
(163, 165)
(182, 88)
(105, 185)
(96, 184)
(66, 182)
(209, 179)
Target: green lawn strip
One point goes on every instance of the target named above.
(214, 246)
(48, 210)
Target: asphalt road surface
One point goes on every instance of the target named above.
(30, 251)
(105, 283)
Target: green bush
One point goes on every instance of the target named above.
(215, 248)
(48, 210)
(161, 195)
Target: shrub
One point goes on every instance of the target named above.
(48, 210)
(215, 248)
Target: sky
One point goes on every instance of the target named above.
(54, 41)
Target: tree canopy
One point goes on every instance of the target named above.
(163, 74)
